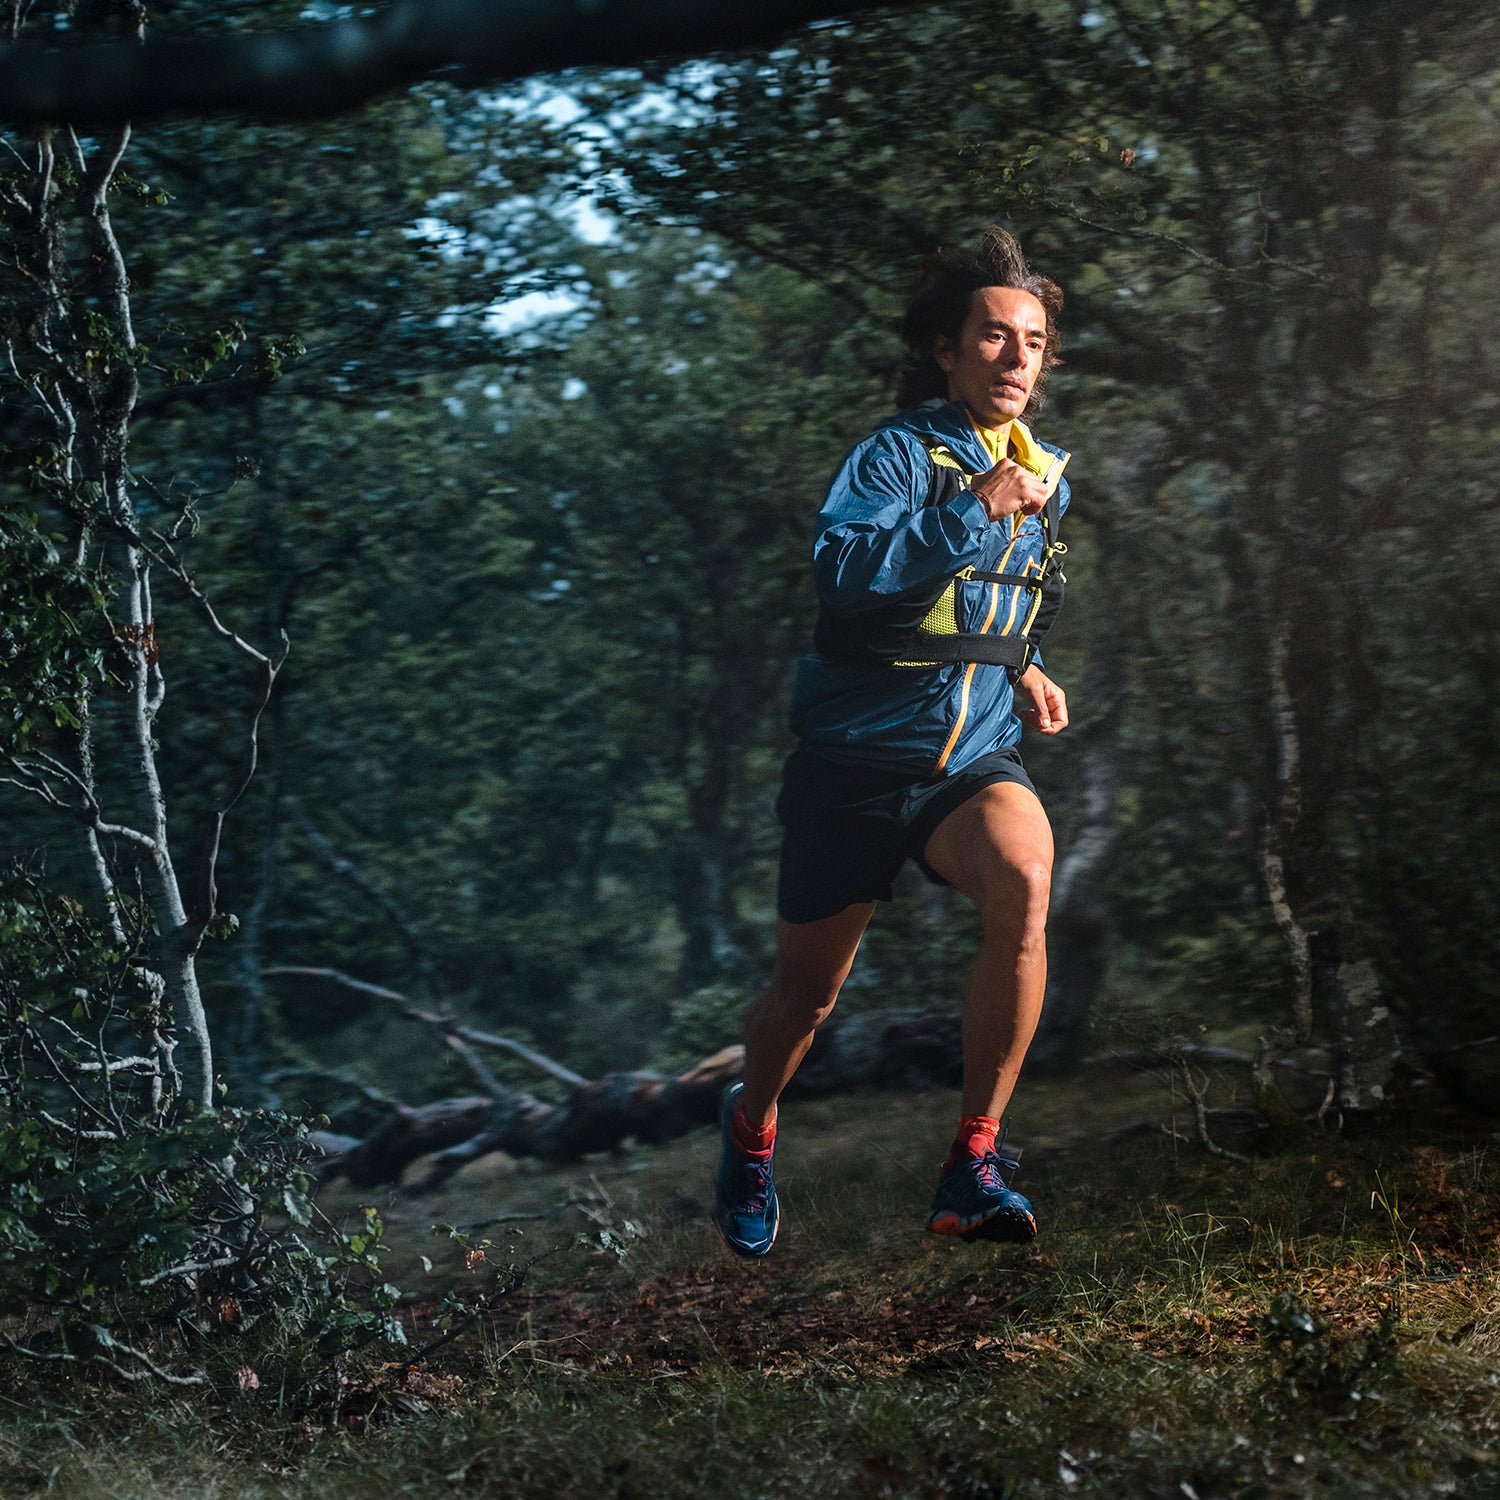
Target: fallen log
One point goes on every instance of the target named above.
(871, 1049)
(891, 1050)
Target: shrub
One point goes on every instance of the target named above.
(132, 1223)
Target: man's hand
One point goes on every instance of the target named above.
(1007, 489)
(1040, 703)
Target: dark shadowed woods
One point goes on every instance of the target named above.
(405, 522)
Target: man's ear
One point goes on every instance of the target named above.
(945, 355)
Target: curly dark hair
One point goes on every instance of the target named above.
(940, 303)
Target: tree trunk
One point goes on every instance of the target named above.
(1078, 926)
(1332, 691)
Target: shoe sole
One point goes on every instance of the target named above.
(1004, 1228)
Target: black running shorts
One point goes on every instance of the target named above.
(848, 830)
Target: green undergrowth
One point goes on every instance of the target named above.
(1321, 1322)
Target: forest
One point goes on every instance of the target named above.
(406, 505)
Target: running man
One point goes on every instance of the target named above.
(936, 576)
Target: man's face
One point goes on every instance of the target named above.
(998, 356)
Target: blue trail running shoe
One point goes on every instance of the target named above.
(745, 1212)
(974, 1203)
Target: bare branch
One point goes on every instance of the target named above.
(368, 1092)
(130, 835)
(166, 556)
(543, 1064)
(26, 780)
(189, 1268)
(1065, 209)
(83, 1135)
(208, 901)
(120, 1065)
(88, 813)
(449, 1032)
(34, 386)
(1171, 1057)
(345, 867)
(116, 1346)
(1195, 1092)
(327, 69)
(84, 1103)
(445, 1024)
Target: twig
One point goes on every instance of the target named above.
(85, 1104)
(445, 1024)
(119, 1065)
(89, 813)
(1326, 1107)
(109, 1342)
(190, 1268)
(525, 1054)
(83, 1135)
(1200, 1118)
(483, 1304)
(1156, 236)
(343, 866)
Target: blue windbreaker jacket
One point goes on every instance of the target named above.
(876, 539)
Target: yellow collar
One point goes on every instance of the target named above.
(1015, 441)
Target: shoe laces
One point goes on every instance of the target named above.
(754, 1185)
(988, 1172)
(987, 1168)
(1010, 1163)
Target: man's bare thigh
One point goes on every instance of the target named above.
(998, 838)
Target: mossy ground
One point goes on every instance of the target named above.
(1322, 1322)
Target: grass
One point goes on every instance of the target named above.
(1325, 1322)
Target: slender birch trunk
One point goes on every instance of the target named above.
(76, 359)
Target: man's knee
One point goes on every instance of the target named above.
(806, 995)
(1013, 896)
(812, 962)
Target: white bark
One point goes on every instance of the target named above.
(1279, 830)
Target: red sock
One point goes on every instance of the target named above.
(756, 1141)
(976, 1135)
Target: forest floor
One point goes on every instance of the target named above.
(1322, 1321)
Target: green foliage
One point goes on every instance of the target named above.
(1184, 1320)
(123, 1221)
(54, 632)
(1268, 228)
(546, 585)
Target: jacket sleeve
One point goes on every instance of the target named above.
(877, 536)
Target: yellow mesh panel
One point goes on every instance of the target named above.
(944, 459)
(942, 618)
